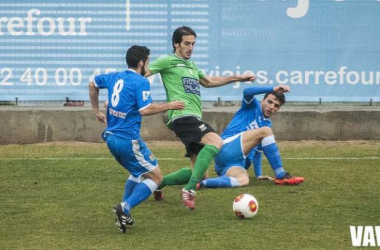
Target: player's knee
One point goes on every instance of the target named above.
(217, 142)
(244, 181)
(266, 131)
(212, 139)
(157, 178)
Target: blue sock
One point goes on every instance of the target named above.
(129, 186)
(140, 193)
(257, 163)
(220, 182)
(273, 155)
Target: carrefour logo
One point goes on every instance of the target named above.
(36, 24)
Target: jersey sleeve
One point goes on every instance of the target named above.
(159, 64)
(101, 81)
(249, 95)
(201, 74)
(143, 98)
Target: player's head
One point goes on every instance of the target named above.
(183, 41)
(137, 57)
(271, 103)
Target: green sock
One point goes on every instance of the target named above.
(202, 163)
(180, 177)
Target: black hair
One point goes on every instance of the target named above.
(135, 54)
(179, 33)
(278, 95)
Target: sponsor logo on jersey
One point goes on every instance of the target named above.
(253, 125)
(191, 85)
(145, 95)
(118, 114)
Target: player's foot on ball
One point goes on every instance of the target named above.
(188, 198)
(122, 219)
(288, 180)
(158, 195)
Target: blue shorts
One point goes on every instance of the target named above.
(231, 154)
(133, 155)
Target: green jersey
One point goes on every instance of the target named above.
(181, 81)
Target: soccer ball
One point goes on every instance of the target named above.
(245, 206)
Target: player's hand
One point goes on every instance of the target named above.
(282, 88)
(177, 105)
(247, 77)
(101, 117)
(105, 104)
(264, 178)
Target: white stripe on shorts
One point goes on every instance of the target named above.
(140, 157)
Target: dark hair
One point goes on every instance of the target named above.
(278, 95)
(135, 54)
(179, 33)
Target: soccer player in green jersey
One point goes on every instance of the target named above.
(182, 80)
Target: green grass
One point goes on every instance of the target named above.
(60, 196)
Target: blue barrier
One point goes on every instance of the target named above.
(329, 49)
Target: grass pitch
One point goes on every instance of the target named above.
(60, 196)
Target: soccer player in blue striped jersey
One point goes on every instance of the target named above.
(128, 100)
(248, 133)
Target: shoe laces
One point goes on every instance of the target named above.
(188, 194)
(128, 219)
(287, 176)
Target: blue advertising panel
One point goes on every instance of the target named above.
(329, 49)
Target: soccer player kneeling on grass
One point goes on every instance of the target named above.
(249, 133)
(128, 100)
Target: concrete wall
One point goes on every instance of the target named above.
(26, 125)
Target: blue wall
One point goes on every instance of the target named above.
(326, 49)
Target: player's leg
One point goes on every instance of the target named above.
(271, 151)
(236, 176)
(135, 157)
(200, 141)
(229, 165)
(141, 163)
(213, 143)
(130, 185)
(264, 135)
(140, 193)
(179, 177)
(143, 190)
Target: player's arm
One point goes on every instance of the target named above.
(157, 66)
(148, 73)
(217, 81)
(94, 98)
(159, 108)
(250, 92)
